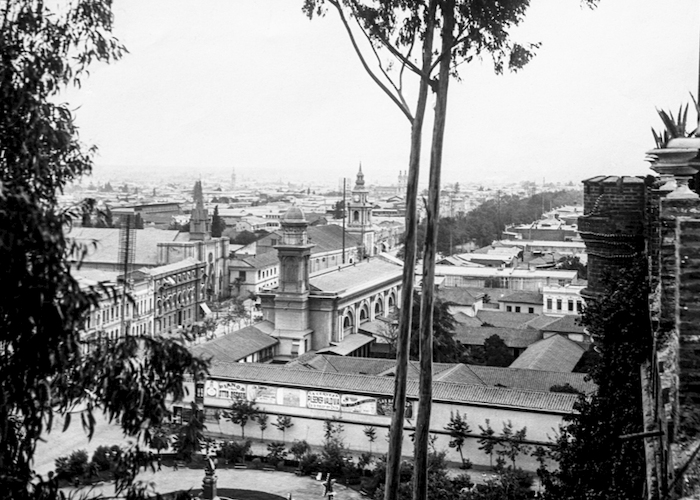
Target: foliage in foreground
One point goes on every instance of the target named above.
(594, 463)
(46, 368)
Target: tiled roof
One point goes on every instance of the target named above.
(362, 275)
(565, 324)
(513, 337)
(523, 296)
(540, 322)
(534, 380)
(341, 364)
(554, 354)
(107, 244)
(460, 374)
(262, 260)
(235, 346)
(465, 320)
(384, 386)
(504, 319)
(329, 237)
(457, 295)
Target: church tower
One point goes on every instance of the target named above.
(200, 227)
(292, 295)
(360, 212)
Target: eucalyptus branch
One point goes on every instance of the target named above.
(408, 55)
(404, 109)
(399, 94)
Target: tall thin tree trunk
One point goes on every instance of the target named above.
(420, 479)
(393, 468)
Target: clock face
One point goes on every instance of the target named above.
(356, 198)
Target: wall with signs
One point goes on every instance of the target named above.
(309, 409)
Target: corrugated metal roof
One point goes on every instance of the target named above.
(235, 346)
(362, 275)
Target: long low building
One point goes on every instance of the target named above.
(357, 392)
(512, 279)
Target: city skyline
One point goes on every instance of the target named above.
(257, 87)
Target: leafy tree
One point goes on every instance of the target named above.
(235, 451)
(241, 411)
(244, 238)
(338, 210)
(593, 461)
(217, 223)
(371, 433)
(299, 449)
(283, 423)
(75, 465)
(262, 419)
(573, 263)
(276, 452)
(488, 440)
(496, 352)
(334, 452)
(459, 432)
(160, 440)
(46, 368)
(190, 437)
(445, 348)
(511, 444)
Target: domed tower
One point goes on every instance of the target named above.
(292, 295)
(360, 212)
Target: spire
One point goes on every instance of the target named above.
(199, 220)
(360, 182)
(197, 195)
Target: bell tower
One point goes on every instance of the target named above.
(200, 227)
(360, 212)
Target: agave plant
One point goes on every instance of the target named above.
(674, 126)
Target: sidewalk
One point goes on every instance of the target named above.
(280, 483)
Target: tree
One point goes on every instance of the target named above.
(46, 368)
(160, 440)
(445, 348)
(512, 443)
(573, 263)
(459, 432)
(217, 223)
(190, 436)
(447, 33)
(488, 440)
(299, 449)
(496, 352)
(371, 433)
(262, 418)
(593, 461)
(283, 423)
(241, 412)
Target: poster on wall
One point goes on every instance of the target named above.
(385, 407)
(262, 394)
(358, 404)
(228, 390)
(291, 397)
(323, 400)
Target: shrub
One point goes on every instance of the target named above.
(299, 449)
(257, 463)
(74, 465)
(102, 458)
(276, 452)
(235, 451)
(309, 463)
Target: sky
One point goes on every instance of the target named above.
(210, 86)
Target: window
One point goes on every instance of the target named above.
(223, 394)
(558, 304)
(531, 310)
(579, 306)
(199, 391)
(273, 241)
(571, 305)
(517, 309)
(509, 308)
(549, 304)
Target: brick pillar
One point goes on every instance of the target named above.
(688, 302)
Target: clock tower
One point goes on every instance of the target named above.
(360, 215)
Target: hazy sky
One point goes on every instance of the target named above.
(254, 85)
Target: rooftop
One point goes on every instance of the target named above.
(358, 276)
(554, 354)
(235, 346)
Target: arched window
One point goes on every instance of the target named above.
(356, 216)
(378, 307)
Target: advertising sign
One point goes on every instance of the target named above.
(291, 397)
(262, 394)
(323, 400)
(358, 404)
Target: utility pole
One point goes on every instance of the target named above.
(343, 216)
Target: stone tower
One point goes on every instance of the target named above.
(360, 211)
(200, 227)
